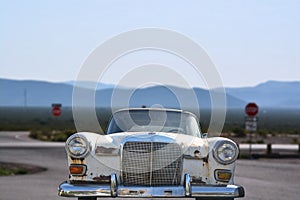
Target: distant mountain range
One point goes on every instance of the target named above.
(276, 94)
(39, 93)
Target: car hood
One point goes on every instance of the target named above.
(190, 145)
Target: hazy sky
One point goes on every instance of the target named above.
(249, 41)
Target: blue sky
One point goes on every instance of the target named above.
(249, 41)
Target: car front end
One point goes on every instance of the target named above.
(139, 163)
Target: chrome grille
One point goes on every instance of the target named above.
(151, 163)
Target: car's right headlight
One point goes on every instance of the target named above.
(77, 146)
(225, 152)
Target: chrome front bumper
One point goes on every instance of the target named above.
(112, 190)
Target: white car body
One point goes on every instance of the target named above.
(151, 162)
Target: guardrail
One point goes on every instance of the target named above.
(269, 150)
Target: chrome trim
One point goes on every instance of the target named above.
(88, 145)
(92, 190)
(83, 190)
(113, 185)
(121, 158)
(148, 192)
(227, 191)
(155, 164)
(151, 138)
(187, 185)
(217, 145)
(113, 190)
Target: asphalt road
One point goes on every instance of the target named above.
(263, 179)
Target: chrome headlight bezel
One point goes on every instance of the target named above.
(82, 143)
(220, 148)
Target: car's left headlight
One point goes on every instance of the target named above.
(77, 146)
(225, 152)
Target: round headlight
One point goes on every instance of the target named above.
(77, 146)
(225, 152)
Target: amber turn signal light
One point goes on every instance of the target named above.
(223, 175)
(77, 169)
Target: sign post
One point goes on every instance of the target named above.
(56, 109)
(251, 110)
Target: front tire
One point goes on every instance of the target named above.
(87, 198)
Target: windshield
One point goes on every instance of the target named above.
(154, 121)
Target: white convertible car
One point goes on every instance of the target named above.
(151, 153)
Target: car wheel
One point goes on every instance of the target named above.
(87, 198)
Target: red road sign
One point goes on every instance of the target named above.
(56, 110)
(251, 109)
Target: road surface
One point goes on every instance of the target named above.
(262, 179)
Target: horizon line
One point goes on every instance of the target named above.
(69, 82)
